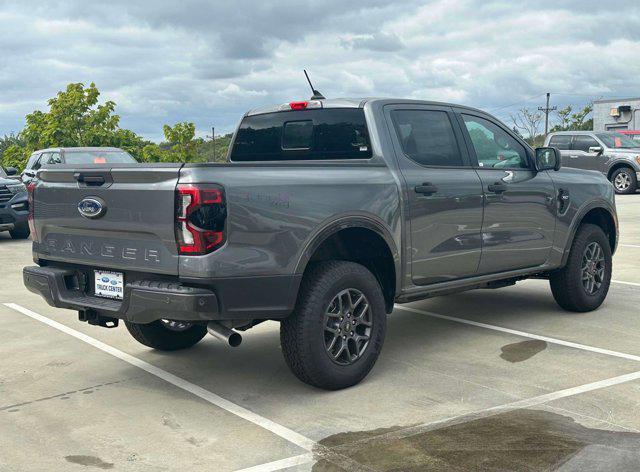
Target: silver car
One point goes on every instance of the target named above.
(615, 155)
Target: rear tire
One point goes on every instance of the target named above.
(21, 231)
(583, 283)
(624, 181)
(335, 335)
(158, 336)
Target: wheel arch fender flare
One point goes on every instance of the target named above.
(329, 228)
(619, 163)
(578, 219)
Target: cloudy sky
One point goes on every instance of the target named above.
(209, 61)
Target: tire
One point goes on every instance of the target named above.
(21, 231)
(158, 336)
(569, 289)
(304, 336)
(624, 180)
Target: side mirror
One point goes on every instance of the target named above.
(548, 158)
(597, 150)
(11, 170)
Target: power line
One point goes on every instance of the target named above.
(514, 104)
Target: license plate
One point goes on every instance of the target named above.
(109, 284)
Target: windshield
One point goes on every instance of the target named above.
(617, 141)
(98, 157)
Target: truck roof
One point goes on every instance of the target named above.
(559, 133)
(359, 103)
(81, 149)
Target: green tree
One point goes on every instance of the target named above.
(570, 121)
(15, 156)
(208, 151)
(180, 137)
(75, 118)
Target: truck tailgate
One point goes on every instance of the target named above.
(134, 229)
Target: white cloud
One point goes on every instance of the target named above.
(208, 62)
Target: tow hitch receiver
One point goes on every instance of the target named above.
(93, 318)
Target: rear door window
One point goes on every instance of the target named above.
(317, 134)
(561, 141)
(427, 137)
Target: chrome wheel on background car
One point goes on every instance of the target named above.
(593, 268)
(622, 182)
(347, 326)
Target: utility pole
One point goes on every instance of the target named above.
(546, 111)
(213, 140)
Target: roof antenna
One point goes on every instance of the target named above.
(316, 95)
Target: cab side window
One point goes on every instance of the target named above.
(582, 142)
(54, 158)
(44, 157)
(561, 141)
(494, 146)
(427, 137)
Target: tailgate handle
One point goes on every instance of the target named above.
(89, 180)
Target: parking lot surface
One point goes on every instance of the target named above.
(483, 380)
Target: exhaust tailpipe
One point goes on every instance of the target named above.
(223, 333)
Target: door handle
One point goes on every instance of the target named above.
(498, 187)
(426, 188)
(573, 156)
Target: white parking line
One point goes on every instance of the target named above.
(630, 245)
(523, 334)
(634, 284)
(271, 426)
(281, 464)
(309, 444)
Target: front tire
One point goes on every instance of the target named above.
(624, 181)
(166, 335)
(336, 333)
(21, 231)
(583, 284)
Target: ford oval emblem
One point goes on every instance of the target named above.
(92, 207)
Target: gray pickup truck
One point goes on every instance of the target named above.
(327, 214)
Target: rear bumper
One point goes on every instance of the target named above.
(146, 301)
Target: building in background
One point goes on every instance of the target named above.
(616, 114)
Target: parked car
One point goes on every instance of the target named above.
(633, 134)
(615, 155)
(327, 214)
(14, 205)
(75, 156)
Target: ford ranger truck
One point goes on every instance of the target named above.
(327, 213)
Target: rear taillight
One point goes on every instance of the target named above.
(201, 215)
(31, 191)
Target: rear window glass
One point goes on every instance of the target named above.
(339, 133)
(98, 157)
(297, 135)
(561, 141)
